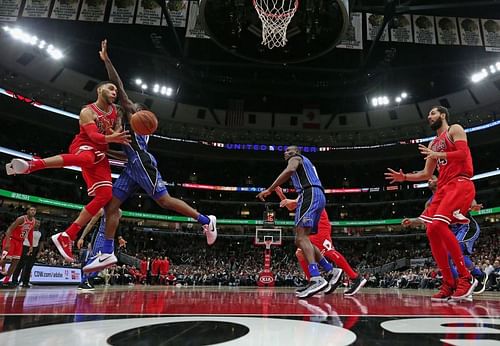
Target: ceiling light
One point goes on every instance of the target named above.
(144, 87)
(169, 91)
(404, 94)
(398, 99)
(374, 102)
(138, 81)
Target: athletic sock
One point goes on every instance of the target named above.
(327, 266)
(36, 165)
(108, 246)
(203, 219)
(73, 230)
(313, 269)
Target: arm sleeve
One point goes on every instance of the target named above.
(460, 154)
(93, 133)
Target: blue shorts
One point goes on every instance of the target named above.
(466, 235)
(138, 174)
(309, 207)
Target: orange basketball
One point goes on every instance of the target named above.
(144, 122)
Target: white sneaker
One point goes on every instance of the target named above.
(100, 261)
(210, 230)
(316, 284)
(17, 166)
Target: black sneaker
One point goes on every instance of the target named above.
(26, 285)
(334, 280)
(356, 285)
(316, 284)
(86, 286)
(481, 283)
(300, 289)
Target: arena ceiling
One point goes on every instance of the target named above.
(339, 80)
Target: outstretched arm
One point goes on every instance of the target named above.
(125, 102)
(292, 166)
(425, 174)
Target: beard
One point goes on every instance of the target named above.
(437, 124)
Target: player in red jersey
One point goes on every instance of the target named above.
(323, 241)
(450, 154)
(99, 125)
(12, 245)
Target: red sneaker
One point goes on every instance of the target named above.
(63, 243)
(465, 287)
(445, 292)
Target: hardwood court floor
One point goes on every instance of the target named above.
(153, 315)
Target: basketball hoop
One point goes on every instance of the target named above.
(268, 243)
(275, 16)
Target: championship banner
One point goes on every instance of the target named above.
(353, 37)
(373, 23)
(469, 32)
(92, 11)
(194, 27)
(148, 13)
(402, 30)
(65, 9)
(178, 12)
(122, 12)
(491, 32)
(425, 32)
(9, 10)
(447, 31)
(36, 8)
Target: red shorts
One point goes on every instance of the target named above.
(451, 202)
(15, 249)
(99, 173)
(323, 239)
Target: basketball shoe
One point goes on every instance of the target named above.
(445, 292)
(481, 283)
(210, 230)
(465, 287)
(334, 281)
(86, 286)
(62, 241)
(316, 284)
(356, 285)
(17, 166)
(100, 261)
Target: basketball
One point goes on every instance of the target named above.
(144, 122)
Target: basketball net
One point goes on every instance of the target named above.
(268, 244)
(275, 16)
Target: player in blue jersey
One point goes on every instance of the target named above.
(310, 204)
(140, 172)
(94, 246)
(466, 234)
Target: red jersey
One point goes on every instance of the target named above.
(24, 230)
(104, 121)
(164, 267)
(155, 266)
(454, 168)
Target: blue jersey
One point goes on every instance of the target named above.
(140, 171)
(138, 149)
(305, 176)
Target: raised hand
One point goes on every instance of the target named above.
(103, 53)
(395, 177)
